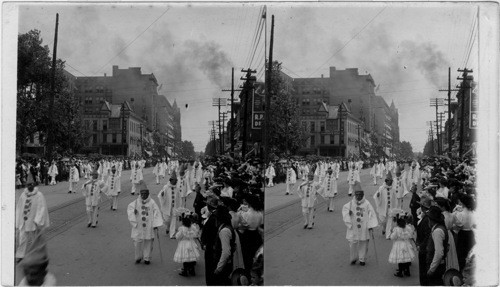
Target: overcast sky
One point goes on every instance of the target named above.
(406, 47)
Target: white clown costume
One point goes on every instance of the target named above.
(359, 217)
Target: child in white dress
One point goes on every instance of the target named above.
(402, 252)
(187, 251)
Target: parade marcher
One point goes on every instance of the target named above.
(291, 179)
(385, 200)
(157, 171)
(184, 185)
(329, 187)
(307, 192)
(92, 191)
(170, 200)
(136, 176)
(402, 252)
(145, 218)
(412, 175)
(195, 174)
(400, 187)
(360, 219)
(53, 172)
(113, 184)
(374, 172)
(187, 251)
(381, 171)
(270, 174)
(74, 177)
(32, 216)
(351, 177)
(35, 263)
(436, 248)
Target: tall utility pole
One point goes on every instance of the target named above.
(50, 134)
(432, 140)
(217, 102)
(450, 121)
(441, 129)
(465, 88)
(124, 130)
(247, 89)
(232, 90)
(437, 102)
(223, 131)
(267, 114)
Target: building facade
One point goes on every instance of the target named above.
(159, 119)
(356, 92)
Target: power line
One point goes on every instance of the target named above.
(122, 50)
(347, 43)
(66, 63)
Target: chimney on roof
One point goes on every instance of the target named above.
(104, 74)
(115, 70)
(332, 71)
(322, 76)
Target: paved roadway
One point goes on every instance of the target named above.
(104, 256)
(320, 256)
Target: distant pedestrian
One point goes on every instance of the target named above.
(145, 218)
(270, 174)
(74, 177)
(53, 172)
(291, 179)
(360, 219)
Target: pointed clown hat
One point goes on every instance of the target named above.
(142, 186)
(357, 186)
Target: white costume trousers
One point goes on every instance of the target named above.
(359, 248)
(331, 204)
(308, 213)
(351, 188)
(171, 224)
(114, 201)
(53, 180)
(92, 214)
(25, 239)
(270, 182)
(143, 249)
(288, 185)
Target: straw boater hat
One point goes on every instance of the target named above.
(425, 201)
(453, 277)
(435, 214)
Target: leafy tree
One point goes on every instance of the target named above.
(285, 132)
(406, 150)
(187, 150)
(33, 97)
(428, 149)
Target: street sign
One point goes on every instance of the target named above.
(473, 108)
(257, 120)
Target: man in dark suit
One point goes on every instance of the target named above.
(208, 239)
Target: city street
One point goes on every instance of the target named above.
(104, 256)
(320, 256)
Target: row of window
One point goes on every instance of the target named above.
(97, 89)
(93, 100)
(315, 91)
(316, 101)
(114, 124)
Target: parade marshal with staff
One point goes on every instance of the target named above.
(360, 219)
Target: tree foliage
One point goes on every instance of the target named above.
(187, 150)
(405, 149)
(286, 135)
(33, 98)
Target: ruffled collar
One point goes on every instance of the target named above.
(31, 193)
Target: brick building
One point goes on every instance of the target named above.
(159, 119)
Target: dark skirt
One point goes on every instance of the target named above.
(465, 242)
(250, 243)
